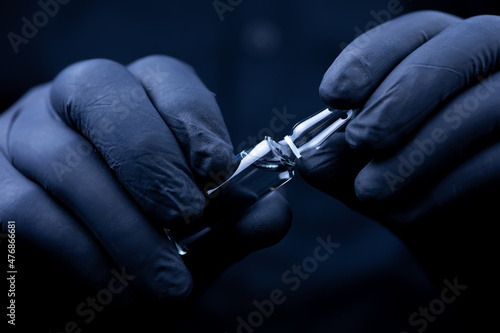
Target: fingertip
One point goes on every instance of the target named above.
(266, 222)
(372, 185)
(174, 287)
(345, 83)
(279, 224)
(359, 136)
(364, 189)
(163, 276)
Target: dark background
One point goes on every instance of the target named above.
(263, 55)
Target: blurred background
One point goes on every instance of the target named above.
(256, 56)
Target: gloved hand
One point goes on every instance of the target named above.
(422, 156)
(96, 163)
(426, 138)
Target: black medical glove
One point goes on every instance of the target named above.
(97, 163)
(426, 138)
(423, 154)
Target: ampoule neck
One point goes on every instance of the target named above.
(312, 131)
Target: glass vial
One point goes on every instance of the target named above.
(261, 170)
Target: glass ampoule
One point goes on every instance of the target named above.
(260, 170)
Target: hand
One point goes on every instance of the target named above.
(426, 134)
(423, 155)
(96, 163)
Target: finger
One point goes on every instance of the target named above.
(466, 124)
(428, 77)
(333, 168)
(50, 231)
(63, 162)
(43, 224)
(263, 224)
(469, 189)
(364, 63)
(104, 102)
(56, 258)
(190, 111)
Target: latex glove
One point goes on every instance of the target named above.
(96, 163)
(422, 156)
(426, 138)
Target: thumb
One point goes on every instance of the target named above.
(333, 168)
(263, 224)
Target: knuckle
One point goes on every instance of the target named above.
(87, 69)
(369, 189)
(165, 61)
(486, 20)
(433, 15)
(81, 82)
